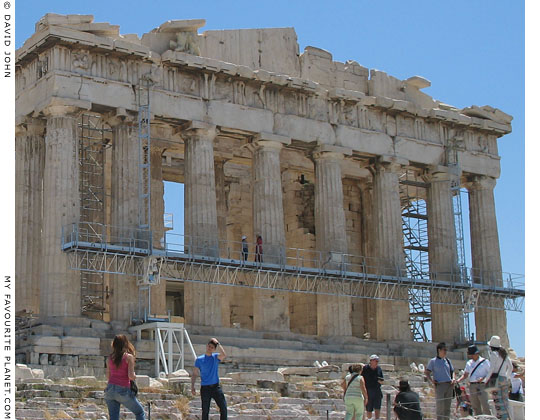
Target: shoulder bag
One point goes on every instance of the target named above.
(494, 378)
(134, 388)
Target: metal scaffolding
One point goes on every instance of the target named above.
(301, 271)
(414, 219)
(92, 144)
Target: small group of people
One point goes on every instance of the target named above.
(258, 249)
(362, 392)
(361, 387)
(493, 375)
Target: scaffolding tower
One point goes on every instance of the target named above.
(91, 158)
(414, 219)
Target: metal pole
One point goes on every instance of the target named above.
(388, 407)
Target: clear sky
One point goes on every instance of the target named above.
(473, 52)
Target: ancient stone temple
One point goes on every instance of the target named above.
(319, 158)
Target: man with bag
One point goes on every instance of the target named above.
(443, 381)
(477, 369)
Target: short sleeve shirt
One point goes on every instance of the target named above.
(208, 365)
(480, 372)
(372, 376)
(441, 368)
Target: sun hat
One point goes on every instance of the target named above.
(495, 341)
(244, 237)
(373, 357)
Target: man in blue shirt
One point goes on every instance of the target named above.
(206, 366)
(443, 381)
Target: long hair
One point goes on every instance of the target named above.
(121, 345)
(501, 350)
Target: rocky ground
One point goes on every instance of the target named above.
(299, 393)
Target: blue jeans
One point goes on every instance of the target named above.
(116, 395)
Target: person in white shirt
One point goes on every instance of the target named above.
(502, 368)
(477, 369)
(516, 393)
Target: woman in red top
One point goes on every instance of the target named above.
(120, 370)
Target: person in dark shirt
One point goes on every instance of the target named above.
(373, 377)
(407, 403)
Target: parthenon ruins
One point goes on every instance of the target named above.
(327, 162)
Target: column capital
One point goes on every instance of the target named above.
(265, 145)
(120, 117)
(199, 129)
(387, 163)
(62, 107)
(28, 126)
(330, 152)
(480, 182)
(264, 136)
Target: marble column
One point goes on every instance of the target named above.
(447, 323)
(333, 312)
(270, 308)
(391, 316)
(124, 211)
(158, 293)
(60, 286)
(205, 304)
(29, 161)
(486, 255)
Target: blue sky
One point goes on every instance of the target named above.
(473, 52)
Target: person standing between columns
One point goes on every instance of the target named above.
(120, 371)
(499, 375)
(245, 248)
(206, 366)
(443, 381)
(477, 369)
(373, 376)
(258, 249)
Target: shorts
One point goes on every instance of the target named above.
(374, 400)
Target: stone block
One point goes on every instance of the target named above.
(143, 381)
(23, 372)
(180, 373)
(32, 358)
(51, 330)
(46, 341)
(81, 342)
(55, 359)
(44, 359)
(92, 361)
(69, 360)
(252, 377)
(386, 367)
(38, 374)
(298, 370)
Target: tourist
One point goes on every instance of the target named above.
(500, 374)
(206, 366)
(443, 381)
(355, 393)
(120, 371)
(516, 393)
(477, 370)
(258, 249)
(407, 403)
(245, 248)
(373, 376)
(463, 402)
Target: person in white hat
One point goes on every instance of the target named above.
(373, 376)
(245, 248)
(499, 376)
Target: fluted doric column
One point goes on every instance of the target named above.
(486, 255)
(60, 286)
(124, 210)
(205, 304)
(29, 161)
(270, 308)
(447, 323)
(391, 317)
(333, 312)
